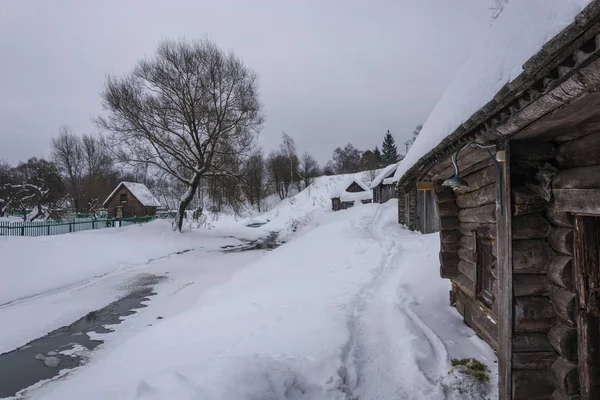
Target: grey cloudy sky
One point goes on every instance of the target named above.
(331, 71)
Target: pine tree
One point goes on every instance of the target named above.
(389, 152)
(377, 154)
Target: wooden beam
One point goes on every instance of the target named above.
(485, 214)
(563, 339)
(530, 385)
(577, 200)
(532, 150)
(483, 196)
(565, 305)
(561, 240)
(533, 360)
(579, 152)
(487, 231)
(530, 342)
(559, 218)
(530, 285)
(586, 268)
(578, 178)
(565, 375)
(560, 272)
(505, 281)
(533, 314)
(531, 226)
(526, 201)
(531, 256)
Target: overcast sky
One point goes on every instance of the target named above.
(331, 71)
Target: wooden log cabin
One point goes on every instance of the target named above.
(519, 218)
(384, 186)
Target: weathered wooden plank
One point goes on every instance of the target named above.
(531, 256)
(560, 272)
(563, 339)
(579, 152)
(533, 360)
(470, 160)
(487, 231)
(481, 178)
(577, 200)
(468, 241)
(565, 375)
(586, 268)
(468, 269)
(526, 201)
(533, 314)
(483, 214)
(449, 223)
(532, 226)
(467, 255)
(532, 150)
(441, 194)
(507, 382)
(558, 217)
(565, 304)
(465, 284)
(448, 257)
(559, 395)
(530, 285)
(477, 198)
(447, 209)
(531, 385)
(450, 236)
(561, 240)
(450, 246)
(578, 178)
(531, 342)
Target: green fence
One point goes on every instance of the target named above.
(46, 228)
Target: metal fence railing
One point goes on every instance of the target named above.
(47, 228)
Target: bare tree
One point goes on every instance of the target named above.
(188, 111)
(498, 7)
(347, 160)
(96, 163)
(67, 154)
(288, 150)
(308, 169)
(255, 179)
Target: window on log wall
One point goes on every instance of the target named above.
(486, 262)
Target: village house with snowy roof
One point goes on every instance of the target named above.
(384, 186)
(348, 193)
(511, 157)
(131, 199)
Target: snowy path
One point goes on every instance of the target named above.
(350, 308)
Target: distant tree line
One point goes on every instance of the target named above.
(184, 122)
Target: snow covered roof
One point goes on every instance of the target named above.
(385, 173)
(341, 189)
(139, 191)
(518, 34)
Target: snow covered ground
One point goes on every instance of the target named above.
(350, 307)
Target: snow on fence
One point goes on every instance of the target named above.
(47, 228)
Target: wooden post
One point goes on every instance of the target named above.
(505, 282)
(586, 268)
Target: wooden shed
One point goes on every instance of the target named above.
(348, 193)
(384, 186)
(519, 218)
(130, 199)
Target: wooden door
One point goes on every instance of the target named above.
(119, 212)
(587, 281)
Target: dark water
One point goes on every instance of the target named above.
(41, 359)
(267, 243)
(256, 224)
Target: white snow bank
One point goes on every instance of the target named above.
(36, 265)
(305, 321)
(516, 35)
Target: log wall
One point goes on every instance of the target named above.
(549, 181)
(465, 216)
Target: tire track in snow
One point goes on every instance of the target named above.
(378, 361)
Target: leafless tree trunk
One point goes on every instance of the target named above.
(309, 169)
(188, 112)
(67, 154)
